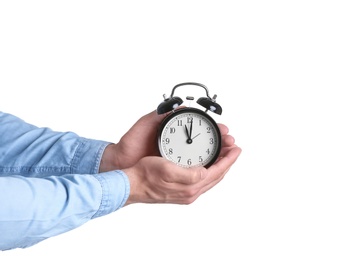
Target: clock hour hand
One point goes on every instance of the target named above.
(187, 131)
(189, 140)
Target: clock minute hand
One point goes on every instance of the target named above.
(189, 140)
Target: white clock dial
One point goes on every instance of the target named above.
(189, 137)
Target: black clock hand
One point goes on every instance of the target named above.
(187, 132)
(190, 131)
(189, 140)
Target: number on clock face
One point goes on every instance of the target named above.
(190, 139)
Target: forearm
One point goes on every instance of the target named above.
(38, 152)
(33, 209)
(49, 182)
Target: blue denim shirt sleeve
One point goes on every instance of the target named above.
(49, 183)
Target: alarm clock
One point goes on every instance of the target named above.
(188, 136)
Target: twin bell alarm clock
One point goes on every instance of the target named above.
(189, 136)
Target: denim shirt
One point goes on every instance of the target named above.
(49, 183)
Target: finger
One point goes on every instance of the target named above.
(200, 188)
(177, 174)
(227, 140)
(157, 118)
(210, 185)
(218, 170)
(223, 129)
(225, 150)
(224, 163)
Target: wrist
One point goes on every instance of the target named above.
(137, 193)
(108, 159)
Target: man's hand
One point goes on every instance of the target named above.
(154, 179)
(138, 142)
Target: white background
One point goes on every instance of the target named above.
(95, 67)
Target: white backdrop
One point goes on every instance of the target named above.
(95, 67)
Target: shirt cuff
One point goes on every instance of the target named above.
(87, 158)
(116, 190)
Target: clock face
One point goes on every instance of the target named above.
(189, 137)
